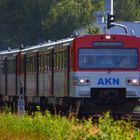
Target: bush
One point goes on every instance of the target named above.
(50, 127)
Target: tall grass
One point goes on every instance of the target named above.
(50, 127)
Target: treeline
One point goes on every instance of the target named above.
(127, 10)
(29, 22)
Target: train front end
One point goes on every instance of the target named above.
(106, 69)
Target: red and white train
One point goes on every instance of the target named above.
(93, 70)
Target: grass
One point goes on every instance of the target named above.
(55, 127)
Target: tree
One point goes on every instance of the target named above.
(20, 22)
(127, 10)
(31, 30)
(68, 15)
(10, 13)
(28, 21)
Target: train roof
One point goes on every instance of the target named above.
(48, 44)
(54, 44)
(109, 34)
(10, 51)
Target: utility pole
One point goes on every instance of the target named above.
(21, 101)
(109, 7)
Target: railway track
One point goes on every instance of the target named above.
(134, 117)
(130, 115)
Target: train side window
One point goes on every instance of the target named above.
(49, 61)
(11, 66)
(55, 61)
(28, 64)
(3, 66)
(31, 63)
(45, 62)
(34, 63)
(65, 59)
(61, 60)
(58, 60)
(40, 62)
(63, 52)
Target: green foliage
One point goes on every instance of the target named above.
(93, 29)
(127, 10)
(20, 22)
(28, 22)
(36, 126)
(67, 16)
(51, 127)
(116, 130)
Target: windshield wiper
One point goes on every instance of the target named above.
(116, 64)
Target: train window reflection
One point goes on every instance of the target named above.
(107, 58)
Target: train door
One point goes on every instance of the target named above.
(3, 76)
(31, 75)
(61, 72)
(11, 75)
(20, 74)
(45, 74)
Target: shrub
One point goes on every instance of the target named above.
(50, 127)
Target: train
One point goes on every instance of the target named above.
(90, 73)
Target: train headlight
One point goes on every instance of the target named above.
(133, 81)
(84, 81)
(107, 37)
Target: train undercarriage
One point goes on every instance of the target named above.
(80, 106)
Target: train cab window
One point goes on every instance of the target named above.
(107, 58)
